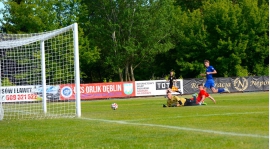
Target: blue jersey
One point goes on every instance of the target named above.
(209, 69)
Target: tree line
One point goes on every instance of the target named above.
(128, 40)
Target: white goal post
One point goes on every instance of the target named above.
(33, 70)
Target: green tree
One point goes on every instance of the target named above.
(39, 16)
(129, 32)
(223, 21)
(238, 33)
(189, 5)
(191, 43)
(256, 21)
(233, 35)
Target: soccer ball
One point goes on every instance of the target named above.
(114, 106)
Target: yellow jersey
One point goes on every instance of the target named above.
(174, 101)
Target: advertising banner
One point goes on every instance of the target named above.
(249, 84)
(98, 90)
(155, 87)
(191, 85)
(145, 88)
(128, 89)
(18, 93)
(28, 93)
(234, 84)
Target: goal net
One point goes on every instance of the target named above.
(34, 68)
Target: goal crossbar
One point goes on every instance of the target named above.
(28, 40)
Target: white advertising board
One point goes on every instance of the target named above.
(28, 93)
(155, 87)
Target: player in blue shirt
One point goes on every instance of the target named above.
(210, 83)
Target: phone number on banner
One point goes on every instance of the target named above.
(21, 97)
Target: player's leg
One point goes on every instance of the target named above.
(189, 102)
(194, 99)
(226, 90)
(211, 85)
(219, 90)
(176, 90)
(214, 90)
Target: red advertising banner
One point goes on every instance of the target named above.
(98, 90)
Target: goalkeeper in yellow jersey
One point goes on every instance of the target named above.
(175, 101)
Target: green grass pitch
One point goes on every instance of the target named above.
(237, 121)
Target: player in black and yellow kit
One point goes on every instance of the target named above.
(175, 101)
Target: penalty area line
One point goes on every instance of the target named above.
(178, 128)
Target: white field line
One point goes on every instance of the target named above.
(229, 106)
(205, 115)
(179, 128)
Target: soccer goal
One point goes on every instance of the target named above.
(34, 68)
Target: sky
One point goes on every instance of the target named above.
(1, 16)
(1, 6)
